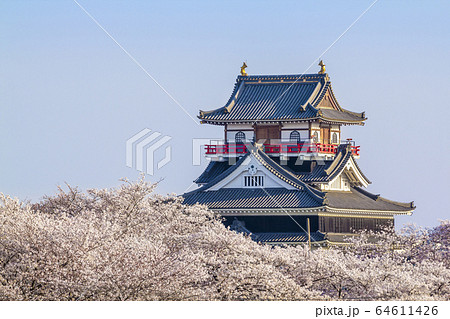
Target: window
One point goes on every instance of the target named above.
(315, 137)
(253, 181)
(295, 137)
(240, 137)
(334, 138)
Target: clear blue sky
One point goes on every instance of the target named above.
(70, 98)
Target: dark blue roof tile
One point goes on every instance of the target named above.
(287, 238)
(255, 198)
(279, 98)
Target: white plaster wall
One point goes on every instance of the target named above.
(336, 183)
(315, 125)
(295, 126)
(335, 127)
(239, 127)
(345, 183)
(341, 183)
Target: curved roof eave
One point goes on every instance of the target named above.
(220, 177)
(368, 211)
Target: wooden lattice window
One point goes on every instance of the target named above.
(315, 137)
(294, 137)
(240, 137)
(334, 138)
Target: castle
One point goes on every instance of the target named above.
(282, 173)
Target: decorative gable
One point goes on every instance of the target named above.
(328, 101)
(349, 176)
(251, 174)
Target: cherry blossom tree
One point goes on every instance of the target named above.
(132, 244)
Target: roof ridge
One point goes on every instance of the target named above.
(367, 193)
(280, 76)
(234, 96)
(320, 96)
(317, 91)
(335, 162)
(313, 108)
(207, 169)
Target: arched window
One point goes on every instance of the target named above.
(334, 138)
(240, 137)
(315, 137)
(295, 137)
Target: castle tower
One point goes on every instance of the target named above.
(282, 164)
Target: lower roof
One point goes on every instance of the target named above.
(280, 198)
(214, 169)
(303, 194)
(257, 198)
(288, 238)
(358, 198)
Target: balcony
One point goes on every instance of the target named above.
(289, 149)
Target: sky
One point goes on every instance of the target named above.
(71, 97)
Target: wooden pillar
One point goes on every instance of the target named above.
(309, 233)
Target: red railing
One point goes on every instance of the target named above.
(279, 148)
(226, 149)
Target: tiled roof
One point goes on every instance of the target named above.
(214, 169)
(343, 155)
(303, 196)
(338, 116)
(258, 198)
(277, 198)
(330, 169)
(280, 98)
(326, 171)
(220, 175)
(362, 199)
(278, 238)
(318, 174)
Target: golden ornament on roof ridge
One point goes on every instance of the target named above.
(243, 73)
(322, 67)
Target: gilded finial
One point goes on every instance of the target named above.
(322, 67)
(243, 73)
